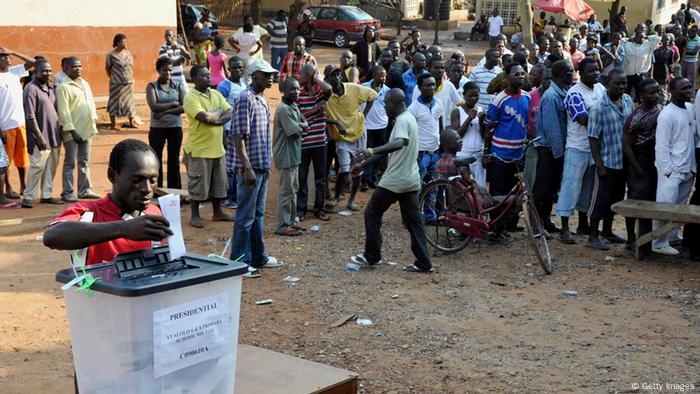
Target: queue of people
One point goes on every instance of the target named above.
(390, 123)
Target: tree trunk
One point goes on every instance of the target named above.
(292, 25)
(526, 21)
(613, 15)
(437, 3)
(256, 10)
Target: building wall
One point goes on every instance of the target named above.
(85, 28)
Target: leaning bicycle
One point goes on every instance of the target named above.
(460, 210)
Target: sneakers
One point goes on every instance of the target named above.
(90, 195)
(27, 203)
(230, 204)
(353, 206)
(414, 268)
(271, 263)
(331, 203)
(667, 250)
(362, 260)
(598, 244)
(69, 198)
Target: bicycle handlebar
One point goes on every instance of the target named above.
(522, 157)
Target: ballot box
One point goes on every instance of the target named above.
(149, 324)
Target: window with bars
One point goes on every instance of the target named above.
(508, 9)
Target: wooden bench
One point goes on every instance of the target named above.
(675, 215)
(260, 371)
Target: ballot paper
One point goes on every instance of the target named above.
(170, 206)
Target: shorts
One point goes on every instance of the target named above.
(16, 147)
(347, 151)
(206, 177)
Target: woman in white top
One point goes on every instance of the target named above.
(468, 120)
(245, 41)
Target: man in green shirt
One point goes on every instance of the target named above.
(207, 112)
(401, 182)
(289, 125)
(77, 114)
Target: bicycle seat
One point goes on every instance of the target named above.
(464, 161)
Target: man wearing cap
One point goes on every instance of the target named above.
(207, 112)
(347, 127)
(252, 151)
(12, 128)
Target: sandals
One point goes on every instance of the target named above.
(289, 232)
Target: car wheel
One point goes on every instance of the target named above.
(341, 39)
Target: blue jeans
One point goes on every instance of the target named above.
(250, 221)
(577, 182)
(277, 56)
(426, 168)
(232, 186)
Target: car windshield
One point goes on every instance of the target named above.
(357, 14)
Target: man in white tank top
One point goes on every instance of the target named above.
(468, 120)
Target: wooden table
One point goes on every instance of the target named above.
(261, 371)
(675, 216)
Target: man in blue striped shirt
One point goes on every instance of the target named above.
(605, 129)
(506, 133)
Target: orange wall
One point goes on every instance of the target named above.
(91, 45)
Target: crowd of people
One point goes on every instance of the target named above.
(613, 115)
(607, 119)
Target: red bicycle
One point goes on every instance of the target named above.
(462, 210)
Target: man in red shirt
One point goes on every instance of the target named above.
(122, 221)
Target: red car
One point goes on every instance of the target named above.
(340, 23)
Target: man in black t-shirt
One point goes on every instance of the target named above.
(661, 68)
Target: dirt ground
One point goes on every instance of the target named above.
(489, 319)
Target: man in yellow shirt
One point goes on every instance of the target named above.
(347, 128)
(77, 114)
(207, 112)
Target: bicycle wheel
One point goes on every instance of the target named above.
(537, 234)
(437, 199)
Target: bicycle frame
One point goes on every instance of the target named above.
(479, 226)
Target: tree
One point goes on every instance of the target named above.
(436, 16)
(292, 25)
(614, 8)
(526, 20)
(256, 10)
